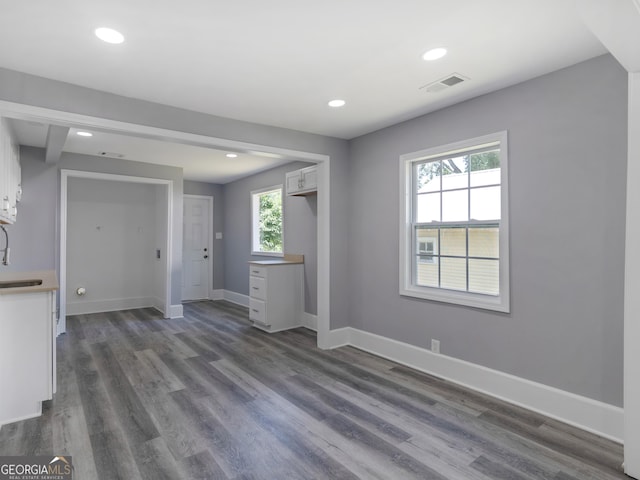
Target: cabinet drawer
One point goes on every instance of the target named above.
(257, 311)
(257, 271)
(257, 288)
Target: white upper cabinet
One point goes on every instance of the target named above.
(10, 175)
(302, 182)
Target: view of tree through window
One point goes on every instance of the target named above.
(271, 221)
(267, 221)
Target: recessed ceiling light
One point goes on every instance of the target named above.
(434, 54)
(337, 103)
(109, 35)
(85, 134)
(231, 155)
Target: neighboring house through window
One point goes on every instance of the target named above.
(267, 221)
(454, 238)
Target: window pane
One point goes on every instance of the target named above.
(483, 242)
(426, 241)
(455, 206)
(427, 271)
(270, 221)
(453, 273)
(484, 276)
(428, 207)
(428, 177)
(454, 173)
(485, 168)
(453, 241)
(485, 203)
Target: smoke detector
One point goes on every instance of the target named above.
(444, 83)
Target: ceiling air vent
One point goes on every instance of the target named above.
(111, 154)
(444, 83)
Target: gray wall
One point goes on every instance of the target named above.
(35, 235)
(37, 91)
(300, 231)
(567, 145)
(567, 167)
(215, 191)
(111, 244)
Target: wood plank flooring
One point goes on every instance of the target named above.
(209, 397)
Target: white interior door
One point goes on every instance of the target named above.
(196, 247)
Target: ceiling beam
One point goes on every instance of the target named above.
(56, 136)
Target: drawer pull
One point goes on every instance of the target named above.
(255, 271)
(257, 311)
(255, 288)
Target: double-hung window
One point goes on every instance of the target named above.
(267, 221)
(454, 238)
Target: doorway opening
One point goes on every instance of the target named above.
(63, 118)
(115, 246)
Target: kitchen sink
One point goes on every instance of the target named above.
(20, 283)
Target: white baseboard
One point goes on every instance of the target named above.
(24, 411)
(340, 337)
(216, 294)
(175, 311)
(158, 304)
(110, 305)
(582, 412)
(237, 298)
(310, 321)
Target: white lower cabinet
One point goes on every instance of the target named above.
(276, 295)
(27, 354)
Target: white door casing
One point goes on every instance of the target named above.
(197, 260)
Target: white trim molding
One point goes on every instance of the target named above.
(237, 298)
(175, 311)
(217, 294)
(113, 305)
(310, 321)
(582, 412)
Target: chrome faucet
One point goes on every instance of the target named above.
(5, 256)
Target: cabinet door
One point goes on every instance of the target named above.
(310, 179)
(293, 182)
(4, 172)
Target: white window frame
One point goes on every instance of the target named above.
(408, 287)
(255, 223)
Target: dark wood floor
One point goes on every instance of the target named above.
(208, 397)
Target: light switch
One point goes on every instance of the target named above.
(218, 235)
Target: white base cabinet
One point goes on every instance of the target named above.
(276, 295)
(27, 354)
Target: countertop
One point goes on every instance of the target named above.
(48, 277)
(287, 259)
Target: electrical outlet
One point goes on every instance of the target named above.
(435, 346)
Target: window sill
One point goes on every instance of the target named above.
(485, 302)
(267, 254)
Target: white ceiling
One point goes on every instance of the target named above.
(198, 163)
(280, 62)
